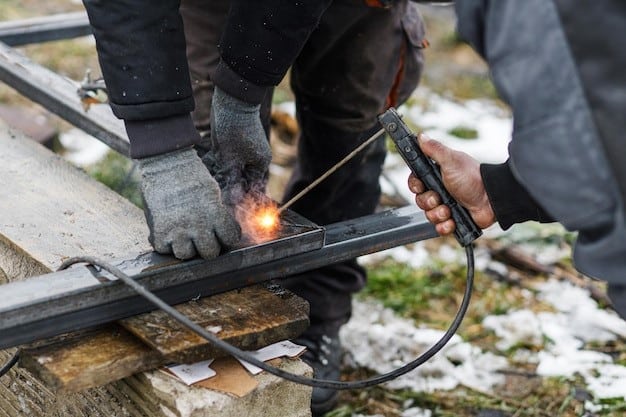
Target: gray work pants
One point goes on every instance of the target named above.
(357, 63)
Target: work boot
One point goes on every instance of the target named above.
(323, 354)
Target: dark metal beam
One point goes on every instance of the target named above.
(59, 95)
(75, 299)
(44, 29)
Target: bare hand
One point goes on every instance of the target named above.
(461, 176)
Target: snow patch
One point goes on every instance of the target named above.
(521, 326)
(440, 115)
(81, 148)
(563, 334)
(378, 339)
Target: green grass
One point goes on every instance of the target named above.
(431, 295)
(404, 289)
(464, 132)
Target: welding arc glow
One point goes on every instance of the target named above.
(259, 219)
(267, 218)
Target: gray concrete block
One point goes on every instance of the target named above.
(273, 397)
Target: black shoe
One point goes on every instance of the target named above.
(323, 354)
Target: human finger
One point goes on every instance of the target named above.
(446, 227)
(428, 200)
(415, 185)
(438, 214)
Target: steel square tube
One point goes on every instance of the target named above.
(99, 302)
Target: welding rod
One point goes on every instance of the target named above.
(331, 170)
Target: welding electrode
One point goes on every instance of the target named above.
(331, 170)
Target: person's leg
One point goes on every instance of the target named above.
(358, 62)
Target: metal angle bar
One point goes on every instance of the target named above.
(59, 95)
(96, 303)
(44, 29)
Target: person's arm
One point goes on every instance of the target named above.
(141, 49)
(260, 42)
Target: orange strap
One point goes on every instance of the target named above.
(379, 3)
(392, 97)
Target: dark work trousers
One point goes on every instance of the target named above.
(357, 63)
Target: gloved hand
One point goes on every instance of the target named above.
(183, 207)
(461, 176)
(239, 146)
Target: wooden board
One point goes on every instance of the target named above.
(250, 318)
(50, 210)
(72, 364)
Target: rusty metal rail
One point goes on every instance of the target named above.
(44, 29)
(56, 93)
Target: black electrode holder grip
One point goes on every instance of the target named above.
(466, 230)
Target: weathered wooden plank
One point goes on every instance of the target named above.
(92, 360)
(251, 318)
(76, 362)
(51, 210)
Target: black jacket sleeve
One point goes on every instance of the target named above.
(261, 40)
(141, 48)
(509, 199)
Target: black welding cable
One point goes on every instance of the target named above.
(10, 363)
(245, 356)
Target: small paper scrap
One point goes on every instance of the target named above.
(192, 373)
(284, 348)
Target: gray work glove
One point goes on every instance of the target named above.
(239, 147)
(183, 207)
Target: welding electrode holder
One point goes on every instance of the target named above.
(425, 170)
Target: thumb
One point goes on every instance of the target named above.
(433, 149)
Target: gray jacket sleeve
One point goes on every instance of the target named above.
(555, 153)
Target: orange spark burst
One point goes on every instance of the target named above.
(259, 220)
(267, 218)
